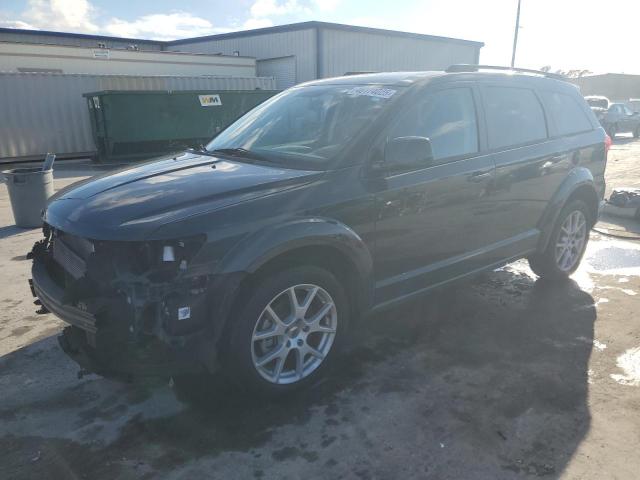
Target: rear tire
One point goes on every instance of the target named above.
(636, 132)
(567, 243)
(611, 131)
(297, 317)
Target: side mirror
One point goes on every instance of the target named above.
(405, 153)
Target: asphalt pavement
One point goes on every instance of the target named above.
(503, 376)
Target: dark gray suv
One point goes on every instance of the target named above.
(334, 199)
(619, 118)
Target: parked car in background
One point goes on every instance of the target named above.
(634, 105)
(597, 101)
(619, 118)
(599, 105)
(262, 254)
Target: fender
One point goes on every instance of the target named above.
(579, 177)
(259, 248)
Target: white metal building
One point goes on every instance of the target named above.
(25, 57)
(306, 51)
(291, 53)
(40, 37)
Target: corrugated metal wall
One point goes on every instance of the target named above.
(282, 69)
(348, 51)
(342, 50)
(43, 113)
(298, 43)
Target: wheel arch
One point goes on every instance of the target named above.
(313, 241)
(579, 185)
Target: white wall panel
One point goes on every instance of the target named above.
(297, 43)
(348, 51)
(283, 69)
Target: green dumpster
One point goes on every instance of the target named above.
(133, 124)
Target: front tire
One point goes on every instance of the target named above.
(287, 333)
(567, 244)
(611, 131)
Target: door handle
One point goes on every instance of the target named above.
(478, 177)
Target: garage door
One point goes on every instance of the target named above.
(282, 68)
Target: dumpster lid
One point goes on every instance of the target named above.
(172, 92)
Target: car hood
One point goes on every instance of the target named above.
(131, 204)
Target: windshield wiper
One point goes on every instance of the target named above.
(202, 151)
(240, 152)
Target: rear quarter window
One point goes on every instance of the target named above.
(567, 115)
(514, 116)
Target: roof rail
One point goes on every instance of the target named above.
(364, 72)
(462, 67)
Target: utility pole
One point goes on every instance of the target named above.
(515, 37)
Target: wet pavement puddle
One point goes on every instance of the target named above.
(608, 256)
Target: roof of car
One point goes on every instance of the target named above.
(409, 78)
(381, 78)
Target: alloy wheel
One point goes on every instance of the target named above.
(571, 240)
(294, 334)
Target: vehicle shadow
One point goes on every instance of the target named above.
(11, 230)
(488, 379)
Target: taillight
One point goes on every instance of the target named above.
(607, 143)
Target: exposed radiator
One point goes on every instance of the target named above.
(71, 262)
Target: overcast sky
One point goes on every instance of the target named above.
(566, 34)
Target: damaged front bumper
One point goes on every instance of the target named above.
(132, 325)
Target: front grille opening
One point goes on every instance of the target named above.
(149, 319)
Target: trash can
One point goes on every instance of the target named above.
(29, 190)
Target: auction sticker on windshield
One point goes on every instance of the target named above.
(372, 92)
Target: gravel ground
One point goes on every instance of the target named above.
(501, 377)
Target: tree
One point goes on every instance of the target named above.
(576, 73)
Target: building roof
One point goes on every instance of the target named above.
(88, 36)
(247, 33)
(326, 25)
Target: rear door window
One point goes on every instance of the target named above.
(566, 114)
(514, 116)
(447, 118)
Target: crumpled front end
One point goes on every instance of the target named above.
(133, 308)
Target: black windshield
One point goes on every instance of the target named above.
(311, 124)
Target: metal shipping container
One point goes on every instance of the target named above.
(134, 124)
(44, 112)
